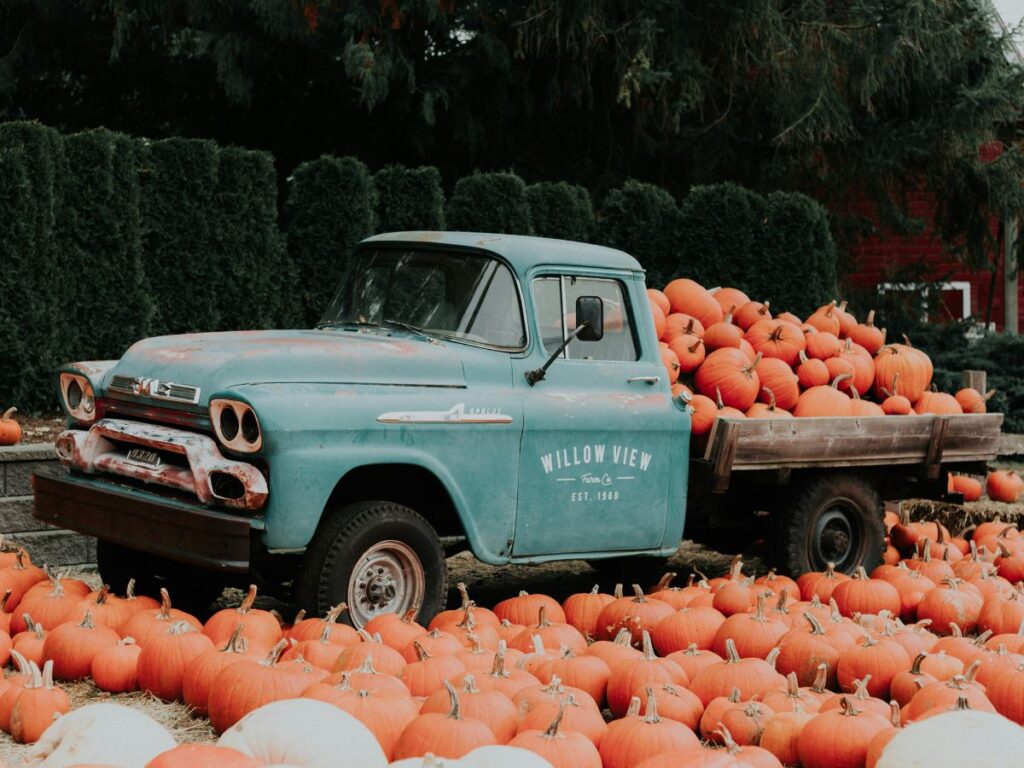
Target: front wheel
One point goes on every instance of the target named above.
(830, 519)
(377, 557)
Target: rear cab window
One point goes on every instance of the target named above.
(555, 299)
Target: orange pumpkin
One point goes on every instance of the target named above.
(972, 401)
(867, 335)
(445, 735)
(730, 373)
(896, 404)
(689, 351)
(39, 704)
(723, 334)
(937, 402)
(811, 372)
(826, 319)
(780, 379)
(560, 748)
(10, 430)
(1004, 485)
(115, 668)
(164, 660)
(822, 345)
(693, 299)
(659, 299)
(260, 626)
(777, 339)
(632, 740)
(751, 313)
(824, 401)
(914, 369)
(72, 647)
(203, 756)
(839, 738)
(769, 411)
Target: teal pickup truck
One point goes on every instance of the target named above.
(498, 393)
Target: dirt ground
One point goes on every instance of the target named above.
(486, 584)
(42, 429)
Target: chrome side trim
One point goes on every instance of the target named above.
(457, 414)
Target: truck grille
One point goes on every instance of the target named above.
(137, 386)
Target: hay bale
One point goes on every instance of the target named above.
(961, 518)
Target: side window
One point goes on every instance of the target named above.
(557, 318)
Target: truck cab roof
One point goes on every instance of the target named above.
(521, 251)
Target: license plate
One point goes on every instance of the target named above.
(144, 456)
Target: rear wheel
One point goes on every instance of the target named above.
(832, 519)
(191, 589)
(377, 557)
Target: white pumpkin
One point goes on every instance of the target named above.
(504, 757)
(104, 734)
(429, 761)
(305, 733)
(965, 739)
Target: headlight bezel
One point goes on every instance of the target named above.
(78, 387)
(243, 413)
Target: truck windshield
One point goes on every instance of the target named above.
(465, 296)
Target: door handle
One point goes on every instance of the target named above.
(652, 380)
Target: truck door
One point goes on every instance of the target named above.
(595, 463)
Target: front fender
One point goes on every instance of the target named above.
(313, 437)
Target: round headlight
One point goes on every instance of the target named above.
(77, 396)
(236, 425)
(250, 427)
(228, 424)
(74, 394)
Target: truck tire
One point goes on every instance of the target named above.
(833, 518)
(377, 557)
(191, 589)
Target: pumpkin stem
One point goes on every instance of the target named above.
(463, 593)
(7, 414)
(47, 681)
(848, 708)
(792, 686)
(617, 592)
(538, 644)
(454, 713)
(780, 604)
(732, 656)
(164, 612)
(663, 582)
(749, 370)
(421, 652)
(647, 646)
(759, 610)
(248, 600)
(730, 744)
(915, 668)
(816, 628)
(652, 707)
(177, 628)
(87, 622)
(552, 730)
(624, 637)
(840, 379)
(634, 707)
(861, 688)
(773, 656)
(498, 667)
(718, 398)
(367, 666)
(820, 678)
(638, 594)
(972, 670)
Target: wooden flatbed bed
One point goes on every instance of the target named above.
(814, 488)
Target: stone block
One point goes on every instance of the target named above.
(54, 547)
(18, 476)
(16, 515)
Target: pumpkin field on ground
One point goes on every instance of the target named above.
(666, 696)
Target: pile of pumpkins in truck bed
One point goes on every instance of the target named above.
(734, 358)
(920, 663)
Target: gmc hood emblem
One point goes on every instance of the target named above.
(140, 386)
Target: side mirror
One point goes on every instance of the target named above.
(590, 315)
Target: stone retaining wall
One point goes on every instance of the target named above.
(45, 543)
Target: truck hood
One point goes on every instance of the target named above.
(215, 361)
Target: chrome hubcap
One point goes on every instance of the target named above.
(388, 578)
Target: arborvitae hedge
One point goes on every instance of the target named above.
(562, 210)
(102, 245)
(179, 220)
(254, 289)
(331, 205)
(409, 198)
(795, 254)
(719, 228)
(489, 202)
(643, 220)
(34, 324)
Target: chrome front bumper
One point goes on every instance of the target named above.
(196, 464)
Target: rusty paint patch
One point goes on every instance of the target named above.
(100, 450)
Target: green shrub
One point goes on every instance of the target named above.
(1001, 356)
(409, 198)
(719, 227)
(36, 331)
(254, 290)
(331, 205)
(103, 246)
(179, 216)
(561, 210)
(795, 255)
(489, 202)
(642, 220)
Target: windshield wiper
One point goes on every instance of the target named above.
(380, 324)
